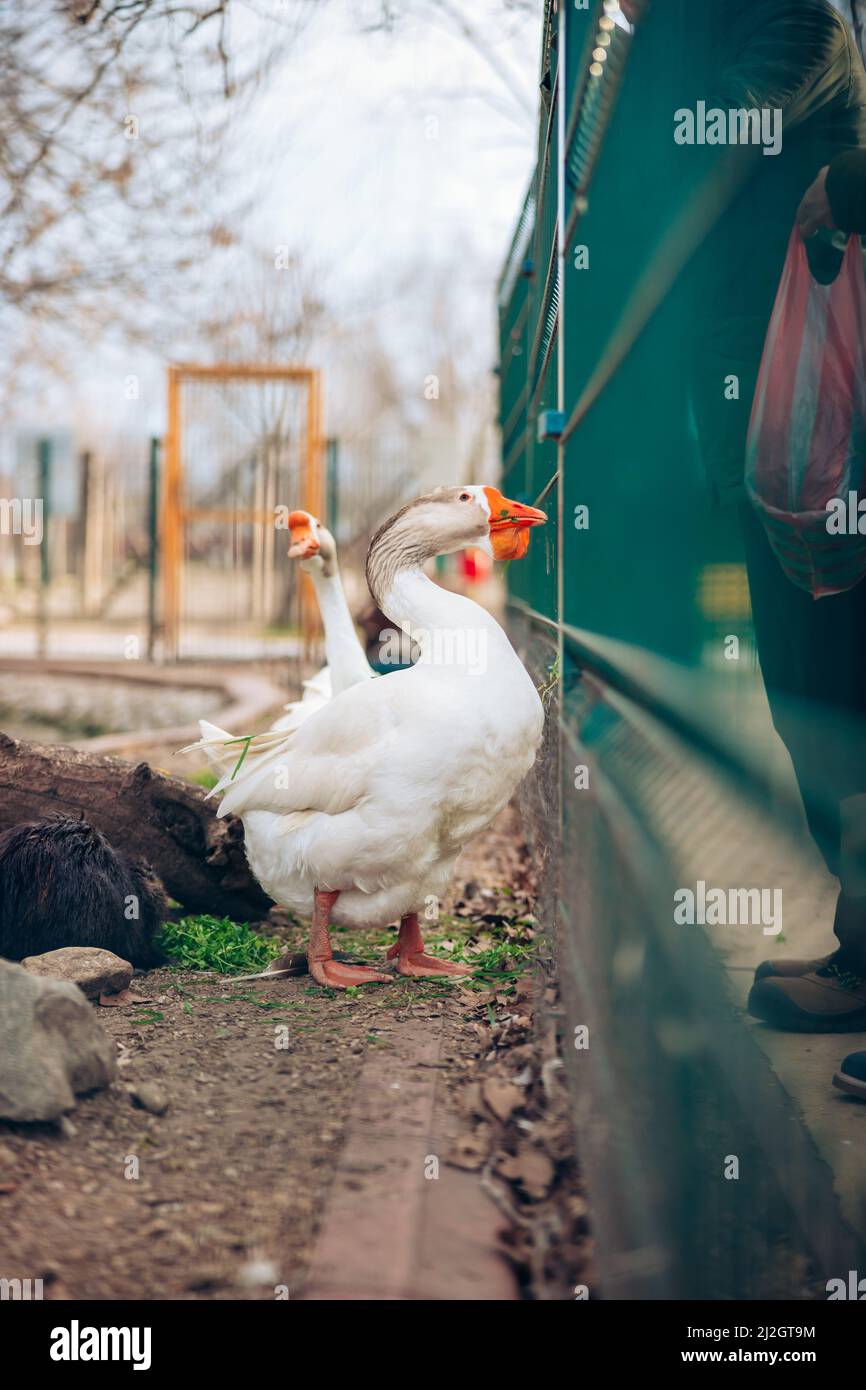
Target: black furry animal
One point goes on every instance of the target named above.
(62, 884)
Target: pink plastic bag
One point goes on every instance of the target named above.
(806, 449)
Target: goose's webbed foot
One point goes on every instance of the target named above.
(412, 960)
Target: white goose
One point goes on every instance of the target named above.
(316, 550)
(357, 816)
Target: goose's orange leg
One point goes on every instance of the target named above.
(411, 960)
(323, 968)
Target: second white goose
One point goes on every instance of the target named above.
(316, 550)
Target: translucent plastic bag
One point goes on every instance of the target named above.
(806, 449)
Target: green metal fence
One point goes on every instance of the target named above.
(594, 244)
(659, 762)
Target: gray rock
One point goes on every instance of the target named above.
(94, 971)
(51, 1046)
(148, 1097)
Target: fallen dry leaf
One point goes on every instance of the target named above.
(470, 1102)
(534, 1172)
(116, 1001)
(502, 1097)
(471, 1149)
(577, 1206)
(507, 1166)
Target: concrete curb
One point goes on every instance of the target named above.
(250, 699)
(390, 1232)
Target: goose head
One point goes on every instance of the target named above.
(449, 519)
(312, 544)
(452, 518)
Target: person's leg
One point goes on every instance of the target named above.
(850, 921)
(813, 659)
(786, 637)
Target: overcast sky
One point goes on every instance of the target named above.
(389, 147)
(371, 154)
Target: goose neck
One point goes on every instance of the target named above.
(449, 629)
(345, 657)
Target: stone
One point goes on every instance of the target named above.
(94, 971)
(148, 1097)
(51, 1046)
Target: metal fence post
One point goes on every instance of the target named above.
(44, 490)
(153, 543)
(333, 455)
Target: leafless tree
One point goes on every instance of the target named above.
(112, 123)
(500, 49)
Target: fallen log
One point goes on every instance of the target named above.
(165, 821)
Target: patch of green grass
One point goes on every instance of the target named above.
(548, 686)
(500, 965)
(203, 778)
(217, 943)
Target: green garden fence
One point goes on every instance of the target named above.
(659, 766)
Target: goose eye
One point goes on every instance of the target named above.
(465, 497)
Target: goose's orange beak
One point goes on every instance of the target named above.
(304, 539)
(509, 525)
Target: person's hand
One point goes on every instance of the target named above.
(814, 211)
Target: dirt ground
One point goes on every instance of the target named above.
(219, 1196)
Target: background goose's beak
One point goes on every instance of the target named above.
(305, 542)
(509, 525)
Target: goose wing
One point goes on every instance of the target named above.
(325, 764)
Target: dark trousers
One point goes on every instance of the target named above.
(813, 660)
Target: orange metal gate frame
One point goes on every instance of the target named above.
(175, 514)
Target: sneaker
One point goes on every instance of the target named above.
(830, 999)
(786, 969)
(851, 1076)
